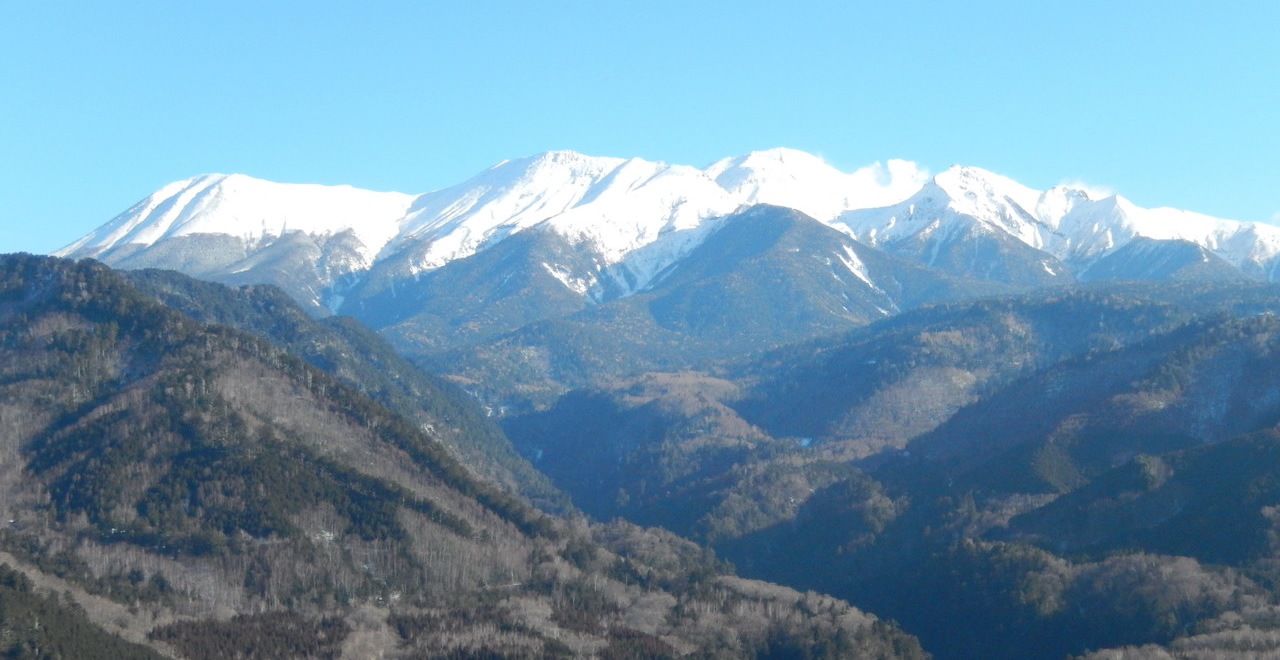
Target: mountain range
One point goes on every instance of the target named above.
(533, 277)
(625, 223)
(1021, 423)
(178, 488)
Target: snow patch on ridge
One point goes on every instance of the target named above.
(577, 285)
(802, 181)
(855, 266)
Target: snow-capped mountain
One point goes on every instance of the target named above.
(249, 209)
(627, 221)
(634, 217)
(556, 270)
(967, 222)
(964, 205)
(802, 181)
(1093, 229)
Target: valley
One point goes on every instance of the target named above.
(604, 407)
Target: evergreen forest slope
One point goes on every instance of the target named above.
(1021, 423)
(202, 492)
(1027, 476)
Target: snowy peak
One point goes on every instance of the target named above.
(145, 221)
(966, 197)
(625, 221)
(510, 196)
(980, 193)
(743, 175)
(1057, 202)
(990, 199)
(1064, 221)
(251, 210)
(799, 180)
(615, 205)
(1251, 246)
(638, 216)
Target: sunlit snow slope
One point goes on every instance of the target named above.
(635, 218)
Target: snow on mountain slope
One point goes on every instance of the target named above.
(252, 210)
(634, 218)
(637, 216)
(511, 196)
(802, 181)
(614, 205)
(1094, 228)
(1062, 221)
(959, 192)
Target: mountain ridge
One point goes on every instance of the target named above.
(633, 219)
(209, 493)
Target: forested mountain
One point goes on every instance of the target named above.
(1022, 423)
(1024, 476)
(766, 276)
(204, 492)
(833, 400)
(352, 353)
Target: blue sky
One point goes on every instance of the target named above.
(1170, 104)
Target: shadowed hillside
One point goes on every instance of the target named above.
(197, 489)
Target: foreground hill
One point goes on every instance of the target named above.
(355, 355)
(200, 491)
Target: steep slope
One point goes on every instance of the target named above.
(719, 457)
(969, 222)
(310, 240)
(200, 490)
(765, 276)
(531, 277)
(1161, 260)
(1022, 477)
(357, 356)
(1120, 494)
(976, 222)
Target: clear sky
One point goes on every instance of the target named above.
(1171, 103)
